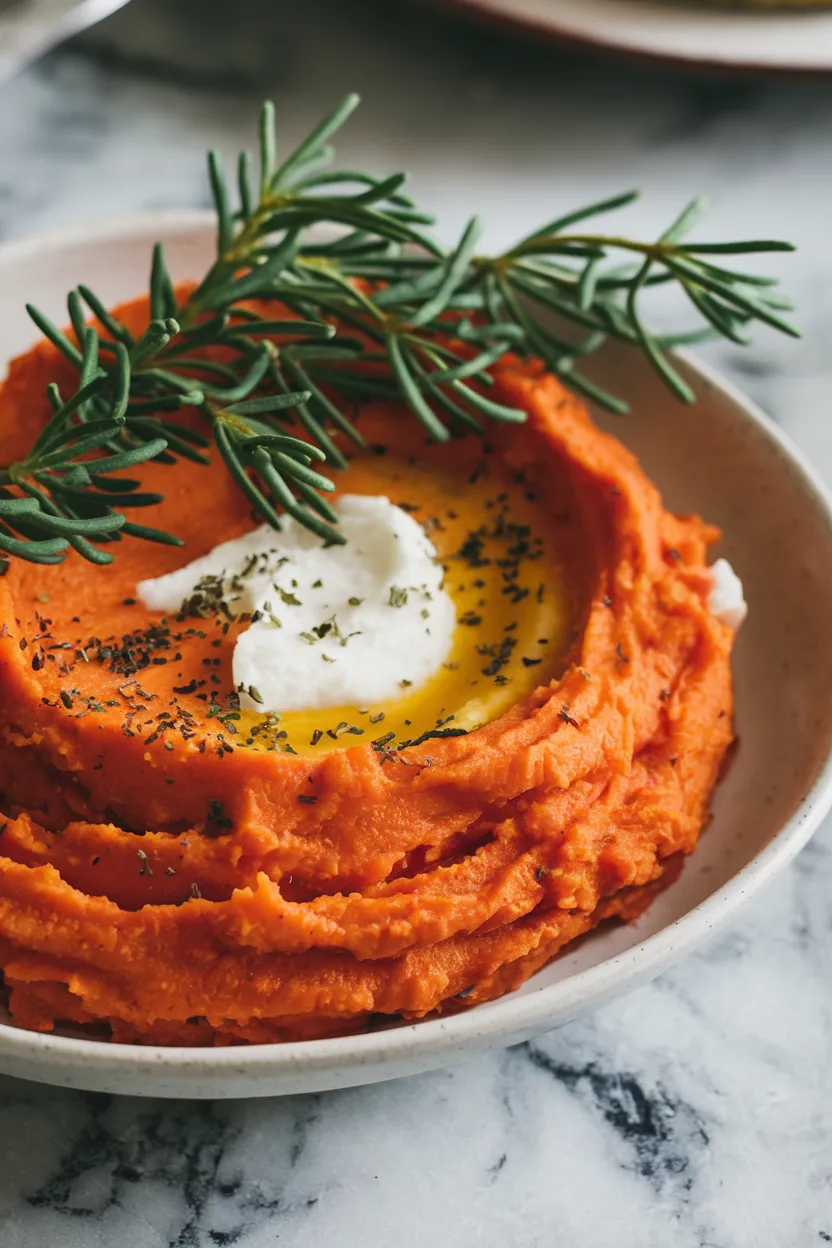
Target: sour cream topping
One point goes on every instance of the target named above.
(345, 625)
(726, 600)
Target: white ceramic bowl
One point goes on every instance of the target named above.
(723, 458)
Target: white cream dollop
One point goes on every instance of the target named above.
(340, 625)
(726, 599)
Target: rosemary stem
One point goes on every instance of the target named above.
(369, 315)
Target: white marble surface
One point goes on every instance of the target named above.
(697, 1112)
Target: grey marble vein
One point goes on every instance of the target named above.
(697, 1111)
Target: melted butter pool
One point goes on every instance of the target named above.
(509, 584)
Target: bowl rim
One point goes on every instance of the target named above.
(495, 1022)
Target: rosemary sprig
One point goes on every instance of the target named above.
(374, 307)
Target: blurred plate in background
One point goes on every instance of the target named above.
(760, 39)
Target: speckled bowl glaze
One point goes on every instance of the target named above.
(723, 458)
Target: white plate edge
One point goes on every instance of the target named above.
(731, 37)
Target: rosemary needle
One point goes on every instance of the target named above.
(376, 307)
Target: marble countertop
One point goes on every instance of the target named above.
(697, 1111)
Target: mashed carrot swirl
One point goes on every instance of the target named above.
(160, 882)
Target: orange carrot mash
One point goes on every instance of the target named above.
(163, 881)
